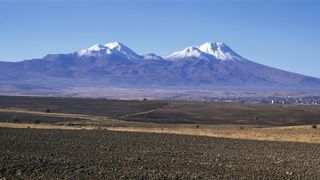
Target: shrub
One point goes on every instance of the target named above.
(314, 126)
(197, 126)
(68, 124)
(47, 110)
(144, 99)
(15, 119)
(37, 121)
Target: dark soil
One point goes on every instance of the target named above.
(232, 113)
(97, 107)
(31, 118)
(168, 112)
(59, 154)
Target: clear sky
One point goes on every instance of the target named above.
(279, 33)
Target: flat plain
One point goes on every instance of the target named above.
(59, 138)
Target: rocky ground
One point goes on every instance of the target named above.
(98, 154)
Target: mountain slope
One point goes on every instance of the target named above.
(114, 64)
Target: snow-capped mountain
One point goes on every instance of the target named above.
(189, 52)
(95, 50)
(114, 64)
(113, 48)
(220, 51)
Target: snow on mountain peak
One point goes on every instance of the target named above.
(96, 47)
(124, 50)
(94, 50)
(110, 48)
(207, 51)
(189, 52)
(114, 45)
(219, 50)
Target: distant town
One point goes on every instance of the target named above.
(307, 100)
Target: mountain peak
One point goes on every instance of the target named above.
(220, 51)
(115, 45)
(115, 48)
(207, 51)
(94, 50)
(124, 50)
(189, 52)
(212, 45)
(96, 47)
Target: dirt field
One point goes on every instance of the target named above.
(109, 139)
(164, 112)
(304, 134)
(59, 154)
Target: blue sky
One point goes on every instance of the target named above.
(279, 33)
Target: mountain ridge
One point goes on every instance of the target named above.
(114, 64)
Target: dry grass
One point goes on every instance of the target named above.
(44, 126)
(87, 119)
(290, 134)
(198, 111)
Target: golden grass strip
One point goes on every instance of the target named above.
(284, 134)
